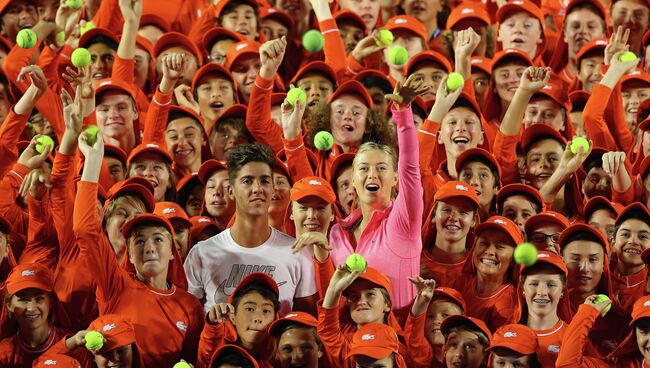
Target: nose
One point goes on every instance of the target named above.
(583, 265)
(251, 73)
(542, 289)
(366, 5)
(148, 171)
(474, 182)
(311, 213)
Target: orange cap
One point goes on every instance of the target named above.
(641, 309)
(468, 10)
(148, 218)
(374, 340)
(172, 212)
(482, 63)
(114, 84)
(537, 132)
(526, 190)
(517, 6)
(209, 167)
(171, 39)
(452, 294)
(187, 180)
(201, 223)
(546, 217)
(117, 331)
(315, 67)
(137, 186)
(218, 33)
(518, 338)
(508, 54)
(582, 228)
(292, 318)
(278, 15)
(374, 276)
(556, 90)
(115, 152)
(635, 210)
(155, 20)
(151, 149)
(347, 15)
(428, 56)
(594, 45)
(30, 276)
(88, 36)
(599, 202)
(243, 48)
(255, 278)
(458, 320)
(578, 97)
(212, 69)
(474, 154)
(457, 189)
(313, 186)
(407, 23)
(353, 87)
(56, 361)
(502, 224)
(547, 258)
(634, 78)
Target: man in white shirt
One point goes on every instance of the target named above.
(215, 266)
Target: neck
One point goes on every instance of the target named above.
(485, 212)
(451, 166)
(367, 209)
(388, 12)
(532, 53)
(431, 27)
(250, 231)
(222, 221)
(542, 322)
(578, 297)
(628, 270)
(486, 284)
(196, 165)
(571, 66)
(125, 142)
(35, 337)
(252, 348)
(276, 220)
(449, 250)
(119, 250)
(158, 281)
(504, 107)
(437, 353)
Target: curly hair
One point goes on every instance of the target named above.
(447, 38)
(377, 127)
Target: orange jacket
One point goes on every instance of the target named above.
(334, 49)
(16, 354)
(124, 69)
(258, 115)
(10, 132)
(416, 342)
(505, 151)
(10, 209)
(495, 308)
(156, 121)
(629, 288)
(594, 119)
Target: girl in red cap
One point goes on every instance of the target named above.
(514, 346)
(466, 342)
(520, 26)
(375, 345)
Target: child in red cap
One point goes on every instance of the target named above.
(375, 345)
(514, 346)
(56, 361)
(298, 343)
(466, 342)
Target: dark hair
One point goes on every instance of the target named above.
(595, 162)
(578, 106)
(585, 236)
(536, 206)
(246, 153)
(231, 358)
(102, 39)
(534, 361)
(174, 115)
(231, 8)
(261, 289)
(236, 123)
(374, 81)
(592, 8)
(292, 325)
(493, 169)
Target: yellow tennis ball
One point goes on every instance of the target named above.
(455, 81)
(578, 142)
(80, 57)
(398, 55)
(601, 298)
(181, 365)
(91, 133)
(74, 4)
(356, 262)
(94, 340)
(323, 140)
(26, 38)
(313, 41)
(627, 56)
(86, 27)
(295, 94)
(525, 254)
(386, 38)
(60, 37)
(42, 142)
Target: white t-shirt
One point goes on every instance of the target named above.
(215, 267)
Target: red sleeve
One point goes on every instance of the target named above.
(626, 197)
(329, 331)
(324, 272)
(156, 120)
(83, 356)
(505, 151)
(9, 207)
(416, 343)
(576, 339)
(10, 133)
(299, 166)
(42, 245)
(202, 25)
(109, 16)
(354, 66)
(617, 125)
(594, 120)
(258, 115)
(212, 337)
(100, 259)
(17, 59)
(62, 198)
(427, 142)
(334, 48)
(48, 61)
(123, 69)
(193, 337)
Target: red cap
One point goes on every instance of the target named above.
(56, 361)
(596, 45)
(117, 331)
(523, 189)
(482, 63)
(210, 38)
(634, 78)
(211, 69)
(374, 276)
(86, 40)
(502, 224)
(352, 87)
(172, 212)
(635, 210)
(546, 217)
(243, 48)
(341, 162)
(209, 167)
(292, 318)
(148, 218)
(30, 276)
(508, 54)
(641, 309)
(374, 340)
(171, 39)
(347, 15)
(550, 259)
(313, 186)
(468, 10)
(257, 278)
(237, 111)
(578, 97)
(407, 23)
(457, 189)
(155, 20)
(228, 348)
(473, 154)
(186, 180)
(537, 132)
(518, 338)
(114, 84)
(278, 15)
(116, 152)
(556, 90)
(452, 294)
(315, 67)
(645, 124)
(222, 5)
(458, 320)
(598, 202)
(201, 223)
(519, 6)
(582, 228)
(150, 148)
(136, 186)
(428, 56)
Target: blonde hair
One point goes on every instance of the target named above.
(131, 200)
(373, 146)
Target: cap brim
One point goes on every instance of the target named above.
(371, 352)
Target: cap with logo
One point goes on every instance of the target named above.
(475, 324)
(255, 278)
(502, 224)
(56, 361)
(172, 212)
(30, 276)
(457, 189)
(374, 340)
(292, 318)
(518, 338)
(313, 186)
(117, 331)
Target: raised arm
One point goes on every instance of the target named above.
(294, 147)
(533, 79)
(333, 48)
(416, 342)
(124, 66)
(569, 164)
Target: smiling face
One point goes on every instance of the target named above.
(298, 347)
(241, 19)
(245, 71)
(545, 111)
(30, 308)
(454, 217)
(464, 349)
(217, 201)
(632, 238)
(215, 95)
(581, 26)
(589, 72)
(348, 120)
(374, 177)
(184, 138)
(543, 288)
(366, 302)
(156, 171)
(115, 114)
(18, 15)
(632, 98)
(253, 315)
(422, 10)
(460, 130)
(632, 15)
(585, 261)
(481, 178)
(542, 159)
(316, 87)
(438, 310)
(642, 334)
(252, 189)
(350, 34)
(521, 31)
(226, 137)
(311, 214)
(150, 250)
(368, 10)
(493, 253)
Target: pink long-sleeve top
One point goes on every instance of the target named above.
(391, 242)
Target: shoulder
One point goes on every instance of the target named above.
(279, 238)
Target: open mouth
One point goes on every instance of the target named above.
(489, 261)
(243, 31)
(99, 75)
(216, 105)
(518, 41)
(347, 127)
(419, 8)
(367, 18)
(372, 187)
(313, 102)
(461, 141)
(182, 153)
(633, 251)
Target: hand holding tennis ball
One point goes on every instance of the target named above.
(577, 143)
(74, 4)
(26, 38)
(398, 55)
(455, 81)
(525, 254)
(323, 140)
(603, 298)
(295, 94)
(80, 57)
(356, 262)
(385, 38)
(313, 41)
(627, 57)
(94, 340)
(91, 134)
(42, 142)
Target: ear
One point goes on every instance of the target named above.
(439, 138)
(136, 114)
(231, 192)
(481, 138)
(320, 353)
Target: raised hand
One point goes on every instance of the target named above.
(534, 79)
(342, 279)
(407, 92)
(465, 42)
(77, 340)
(82, 83)
(617, 43)
(36, 77)
(292, 118)
(96, 150)
(30, 158)
(445, 99)
(367, 46)
(36, 184)
(600, 307)
(424, 289)
(612, 162)
(220, 312)
(131, 10)
(623, 67)
(570, 161)
(271, 56)
(185, 97)
(316, 239)
(67, 18)
(72, 114)
(173, 67)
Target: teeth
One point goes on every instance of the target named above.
(632, 251)
(452, 228)
(489, 261)
(541, 301)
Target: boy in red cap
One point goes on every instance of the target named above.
(228, 356)
(600, 213)
(543, 230)
(217, 202)
(480, 169)
(375, 345)
(181, 223)
(243, 61)
(520, 26)
(56, 361)
(298, 344)
(514, 346)
(466, 342)
(215, 91)
(633, 15)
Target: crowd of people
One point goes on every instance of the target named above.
(215, 190)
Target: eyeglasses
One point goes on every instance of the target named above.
(540, 238)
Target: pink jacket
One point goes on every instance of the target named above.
(392, 240)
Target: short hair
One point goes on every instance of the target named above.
(246, 153)
(466, 326)
(261, 289)
(231, 358)
(293, 325)
(583, 236)
(231, 7)
(374, 81)
(175, 115)
(112, 204)
(102, 39)
(596, 162)
(493, 169)
(536, 206)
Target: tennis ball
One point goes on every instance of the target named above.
(26, 38)
(94, 340)
(74, 4)
(627, 56)
(91, 133)
(601, 298)
(398, 55)
(181, 365)
(386, 38)
(455, 81)
(323, 140)
(578, 142)
(86, 27)
(295, 94)
(356, 262)
(313, 41)
(525, 254)
(80, 57)
(42, 142)
(60, 37)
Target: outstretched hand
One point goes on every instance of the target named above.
(534, 79)
(405, 93)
